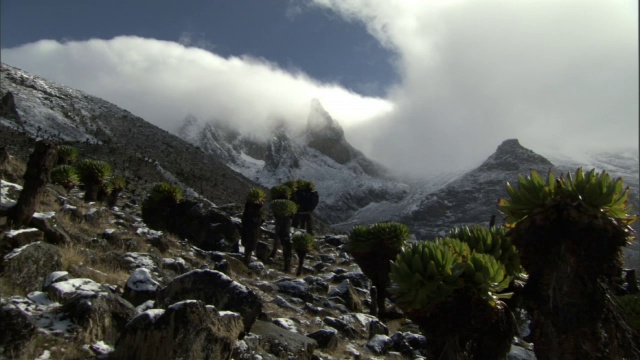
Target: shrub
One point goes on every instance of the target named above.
(165, 193)
(283, 208)
(493, 241)
(93, 171)
(65, 176)
(383, 236)
(67, 155)
(281, 192)
(256, 196)
(302, 242)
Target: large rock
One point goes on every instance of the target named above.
(284, 344)
(102, 316)
(346, 292)
(213, 288)
(188, 330)
(28, 266)
(18, 238)
(16, 330)
(141, 286)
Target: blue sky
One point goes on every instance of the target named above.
(421, 86)
(318, 41)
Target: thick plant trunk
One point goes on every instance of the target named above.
(567, 292)
(283, 234)
(301, 256)
(251, 220)
(39, 166)
(376, 265)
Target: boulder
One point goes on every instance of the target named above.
(18, 238)
(327, 338)
(27, 267)
(141, 286)
(282, 343)
(188, 330)
(296, 288)
(213, 288)
(47, 223)
(16, 330)
(347, 293)
(101, 315)
(65, 290)
(380, 344)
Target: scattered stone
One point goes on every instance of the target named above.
(64, 290)
(376, 327)
(55, 277)
(296, 288)
(281, 302)
(141, 286)
(357, 279)
(327, 338)
(380, 344)
(287, 324)
(282, 343)
(257, 267)
(340, 325)
(347, 293)
(336, 240)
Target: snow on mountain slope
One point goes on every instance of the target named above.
(346, 180)
(142, 151)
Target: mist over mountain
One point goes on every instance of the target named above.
(213, 159)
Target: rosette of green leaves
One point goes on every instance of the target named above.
(589, 194)
(493, 241)
(67, 154)
(93, 171)
(256, 196)
(426, 273)
(486, 276)
(291, 184)
(305, 185)
(302, 242)
(283, 208)
(281, 192)
(165, 193)
(65, 176)
(378, 237)
(117, 183)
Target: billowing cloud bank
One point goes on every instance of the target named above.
(163, 81)
(560, 75)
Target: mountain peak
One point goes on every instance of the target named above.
(511, 156)
(326, 135)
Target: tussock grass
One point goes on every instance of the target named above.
(58, 348)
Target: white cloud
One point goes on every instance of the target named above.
(163, 81)
(560, 75)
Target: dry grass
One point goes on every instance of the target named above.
(59, 349)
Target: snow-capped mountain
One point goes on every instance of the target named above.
(33, 107)
(346, 179)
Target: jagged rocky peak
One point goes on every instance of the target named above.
(280, 150)
(511, 156)
(326, 135)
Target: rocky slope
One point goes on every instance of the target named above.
(345, 178)
(139, 150)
